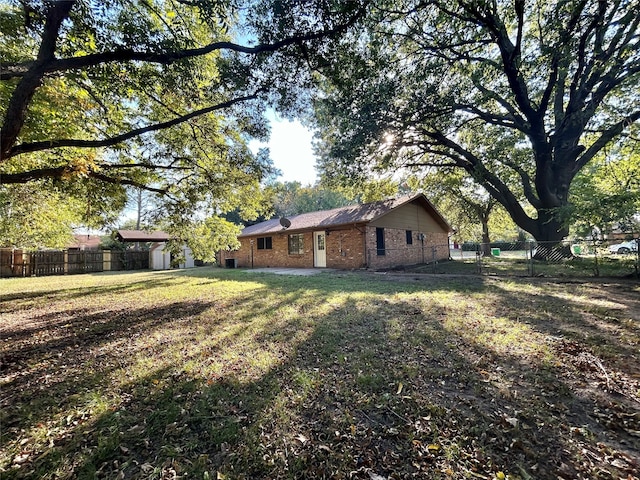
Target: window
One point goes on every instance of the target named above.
(409, 237)
(264, 243)
(296, 244)
(380, 241)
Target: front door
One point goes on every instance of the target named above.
(319, 250)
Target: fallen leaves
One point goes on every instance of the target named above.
(373, 383)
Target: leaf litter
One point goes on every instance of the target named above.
(363, 379)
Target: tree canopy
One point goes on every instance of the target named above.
(606, 194)
(468, 207)
(521, 95)
(152, 94)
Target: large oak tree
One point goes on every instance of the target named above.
(549, 83)
(153, 94)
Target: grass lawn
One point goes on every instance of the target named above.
(516, 263)
(227, 374)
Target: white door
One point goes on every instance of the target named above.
(319, 250)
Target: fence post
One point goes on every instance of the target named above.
(530, 263)
(637, 263)
(27, 266)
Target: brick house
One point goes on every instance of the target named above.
(403, 231)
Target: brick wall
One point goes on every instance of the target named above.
(345, 249)
(435, 246)
(277, 256)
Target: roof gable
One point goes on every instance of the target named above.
(83, 241)
(349, 215)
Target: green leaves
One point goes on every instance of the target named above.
(205, 238)
(520, 99)
(158, 92)
(606, 194)
(35, 219)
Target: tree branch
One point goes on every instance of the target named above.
(487, 179)
(108, 142)
(604, 140)
(65, 171)
(32, 73)
(510, 58)
(16, 111)
(518, 121)
(149, 166)
(125, 181)
(491, 118)
(167, 58)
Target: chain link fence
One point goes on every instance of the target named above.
(571, 258)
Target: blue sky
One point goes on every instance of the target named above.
(290, 150)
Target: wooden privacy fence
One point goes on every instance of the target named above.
(21, 263)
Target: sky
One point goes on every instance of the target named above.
(290, 149)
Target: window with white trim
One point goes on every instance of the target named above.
(296, 244)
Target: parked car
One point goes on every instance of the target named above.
(625, 247)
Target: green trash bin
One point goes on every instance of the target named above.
(577, 249)
(495, 252)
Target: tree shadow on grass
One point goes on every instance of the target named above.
(19, 300)
(376, 381)
(600, 317)
(61, 357)
(45, 368)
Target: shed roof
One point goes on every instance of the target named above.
(352, 214)
(142, 236)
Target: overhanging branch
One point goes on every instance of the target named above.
(166, 58)
(111, 141)
(605, 138)
(65, 172)
(125, 181)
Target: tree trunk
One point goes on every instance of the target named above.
(17, 107)
(486, 239)
(139, 209)
(550, 235)
(549, 228)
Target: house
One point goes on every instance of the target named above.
(389, 233)
(159, 259)
(85, 242)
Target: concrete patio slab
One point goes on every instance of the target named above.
(290, 271)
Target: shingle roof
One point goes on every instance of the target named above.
(142, 236)
(86, 241)
(342, 216)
